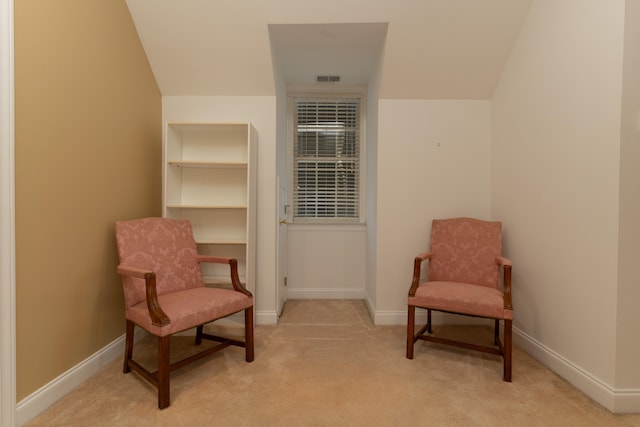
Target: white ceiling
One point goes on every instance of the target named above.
(432, 49)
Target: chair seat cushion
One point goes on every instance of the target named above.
(461, 298)
(189, 308)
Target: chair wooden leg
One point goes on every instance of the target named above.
(507, 350)
(199, 330)
(496, 332)
(163, 372)
(411, 323)
(248, 334)
(429, 321)
(128, 347)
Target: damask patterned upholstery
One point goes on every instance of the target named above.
(465, 250)
(166, 247)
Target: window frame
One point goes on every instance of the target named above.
(291, 115)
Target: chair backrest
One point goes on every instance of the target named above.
(164, 246)
(465, 250)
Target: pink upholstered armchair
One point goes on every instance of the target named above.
(164, 293)
(463, 277)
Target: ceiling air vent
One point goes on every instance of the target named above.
(328, 79)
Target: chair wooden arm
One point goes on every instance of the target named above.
(127, 270)
(503, 261)
(158, 317)
(214, 259)
(233, 265)
(507, 287)
(506, 267)
(417, 267)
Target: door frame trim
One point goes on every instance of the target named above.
(7, 220)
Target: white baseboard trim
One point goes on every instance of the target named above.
(34, 404)
(266, 317)
(335, 293)
(626, 401)
(618, 401)
(393, 317)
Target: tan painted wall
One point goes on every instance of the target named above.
(87, 152)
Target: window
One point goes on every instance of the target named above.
(326, 160)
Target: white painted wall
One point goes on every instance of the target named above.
(628, 333)
(555, 181)
(261, 112)
(371, 279)
(326, 261)
(433, 162)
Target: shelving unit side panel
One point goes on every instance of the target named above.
(252, 217)
(171, 179)
(173, 185)
(173, 148)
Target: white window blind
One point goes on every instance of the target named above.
(326, 157)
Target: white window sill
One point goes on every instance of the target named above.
(327, 227)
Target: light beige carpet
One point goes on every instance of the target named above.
(326, 364)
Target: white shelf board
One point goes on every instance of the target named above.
(174, 206)
(208, 165)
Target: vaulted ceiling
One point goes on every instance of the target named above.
(430, 49)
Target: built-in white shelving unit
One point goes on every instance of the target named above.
(209, 178)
